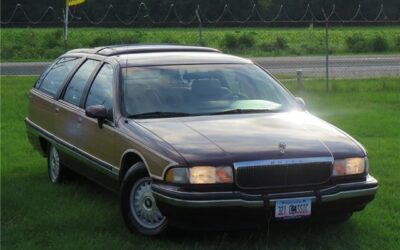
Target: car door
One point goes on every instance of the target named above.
(98, 141)
(69, 114)
(41, 97)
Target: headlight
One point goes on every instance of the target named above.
(200, 175)
(349, 166)
(177, 175)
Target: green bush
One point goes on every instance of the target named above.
(236, 41)
(310, 48)
(169, 40)
(46, 43)
(397, 42)
(379, 44)
(52, 39)
(100, 41)
(247, 40)
(119, 38)
(124, 39)
(281, 43)
(357, 43)
(230, 41)
(266, 46)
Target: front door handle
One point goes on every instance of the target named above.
(79, 119)
(57, 110)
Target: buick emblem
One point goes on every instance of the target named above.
(282, 147)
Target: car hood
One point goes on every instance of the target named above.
(225, 139)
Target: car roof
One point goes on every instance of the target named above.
(160, 54)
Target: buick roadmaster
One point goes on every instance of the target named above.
(188, 136)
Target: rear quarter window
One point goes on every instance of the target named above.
(53, 79)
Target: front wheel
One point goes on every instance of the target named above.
(138, 206)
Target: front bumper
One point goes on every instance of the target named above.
(169, 195)
(340, 198)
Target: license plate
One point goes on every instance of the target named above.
(292, 208)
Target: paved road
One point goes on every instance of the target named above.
(340, 66)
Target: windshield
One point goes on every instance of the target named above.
(186, 90)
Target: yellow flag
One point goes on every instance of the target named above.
(74, 2)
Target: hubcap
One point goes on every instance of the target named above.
(143, 205)
(54, 164)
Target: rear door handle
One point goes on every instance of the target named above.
(79, 119)
(57, 110)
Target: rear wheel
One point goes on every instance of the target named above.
(56, 171)
(138, 206)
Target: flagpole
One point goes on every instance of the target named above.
(66, 25)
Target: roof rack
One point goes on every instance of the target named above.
(133, 49)
(142, 48)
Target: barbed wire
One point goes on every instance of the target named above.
(172, 16)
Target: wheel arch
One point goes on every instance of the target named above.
(44, 146)
(129, 158)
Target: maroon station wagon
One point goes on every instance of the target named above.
(189, 136)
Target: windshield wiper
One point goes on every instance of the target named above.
(159, 114)
(242, 111)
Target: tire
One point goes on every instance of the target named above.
(138, 207)
(56, 171)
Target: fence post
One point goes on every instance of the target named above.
(299, 74)
(200, 25)
(327, 53)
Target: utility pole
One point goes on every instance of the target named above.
(66, 25)
(66, 14)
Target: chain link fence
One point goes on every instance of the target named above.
(241, 36)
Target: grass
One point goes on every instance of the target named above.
(81, 215)
(38, 44)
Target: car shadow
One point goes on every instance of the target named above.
(272, 234)
(90, 186)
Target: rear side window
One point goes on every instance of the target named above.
(78, 82)
(101, 91)
(55, 77)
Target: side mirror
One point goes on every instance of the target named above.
(98, 112)
(301, 103)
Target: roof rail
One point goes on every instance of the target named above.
(148, 48)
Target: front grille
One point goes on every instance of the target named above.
(283, 173)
